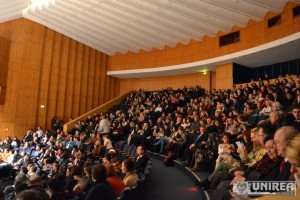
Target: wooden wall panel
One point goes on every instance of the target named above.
(213, 80)
(158, 83)
(62, 77)
(51, 107)
(70, 79)
(224, 76)
(91, 79)
(4, 61)
(77, 84)
(97, 80)
(106, 89)
(84, 78)
(50, 69)
(102, 78)
(45, 76)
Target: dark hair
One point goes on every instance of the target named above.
(32, 194)
(99, 173)
(2, 197)
(117, 160)
(226, 134)
(143, 147)
(129, 164)
(180, 128)
(19, 187)
(268, 130)
(55, 184)
(296, 106)
(24, 170)
(267, 139)
(76, 171)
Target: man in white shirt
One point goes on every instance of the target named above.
(104, 125)
(39, 132)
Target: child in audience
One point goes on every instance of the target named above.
(224, 157)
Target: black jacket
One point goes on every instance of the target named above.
(101, 191)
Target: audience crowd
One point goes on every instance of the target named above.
(240, 134)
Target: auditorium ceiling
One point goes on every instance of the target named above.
(112, 26)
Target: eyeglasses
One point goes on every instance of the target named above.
(270, 147)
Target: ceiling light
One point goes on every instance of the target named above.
(34, 4)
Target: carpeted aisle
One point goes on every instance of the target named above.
(169, 183)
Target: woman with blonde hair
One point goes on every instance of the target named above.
(293, 155)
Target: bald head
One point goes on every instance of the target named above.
(282, 137)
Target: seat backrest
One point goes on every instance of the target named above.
(21, 150)
(125, 147)
(28, 151)
(128, 149)
(132, 151)
(130, 193)
(34, 153)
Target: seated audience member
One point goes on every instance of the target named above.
(292, 153)
(257, 151)
(161, 143)
(73, 175)
(282, 137)
(32, 170)
(35, 183)
(131, 177)
(101, 187)
(117, 163)
(224, 156)
(296, 114)
(56, 189)
(248, 110)
(196, 148)
(267, 109)
(181, 144)
(20, 183)
(86, 182)
(32, 194)
(141, 159)
(134, 135)
(113, 179)
(5, 156)
(263, 168)
(276, 120)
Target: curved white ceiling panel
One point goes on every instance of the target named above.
(112, 26)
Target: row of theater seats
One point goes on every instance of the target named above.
(137, 191)
(33, 153)
(126, 151)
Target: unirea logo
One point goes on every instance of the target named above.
(259, 188)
